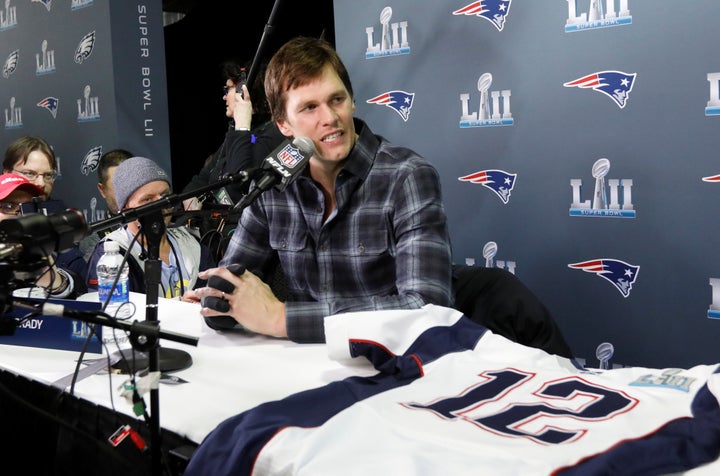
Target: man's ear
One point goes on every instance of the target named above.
(284, 128)
(101, 189)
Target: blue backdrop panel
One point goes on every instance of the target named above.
(88, 76)
(577, 143)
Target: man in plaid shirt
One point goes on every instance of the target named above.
(362, 228)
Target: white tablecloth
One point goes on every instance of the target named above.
(231, 371)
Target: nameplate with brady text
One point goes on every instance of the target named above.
(54, 332)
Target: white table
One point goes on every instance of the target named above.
(231, 371)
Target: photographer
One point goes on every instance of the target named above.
(53, 279)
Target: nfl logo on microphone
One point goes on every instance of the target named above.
(290, 156)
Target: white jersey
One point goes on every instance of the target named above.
(451, 398)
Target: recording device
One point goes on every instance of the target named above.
(28, 240)
(241, 81)
(25, 244)
(46, 207)
(280, 168)
(219, 304)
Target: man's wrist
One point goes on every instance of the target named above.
(66, 285)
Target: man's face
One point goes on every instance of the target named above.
(322, 110)
(37, 164)
(107, 191)
(148, 193)
(229, 97)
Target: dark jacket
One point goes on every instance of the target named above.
(241, 150)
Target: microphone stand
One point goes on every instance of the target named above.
(153, 227)
(169, 201)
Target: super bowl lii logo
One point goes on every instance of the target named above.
(713, 105)
(600, 14)
(80, 330)
(714, 310)
(393, 37)
(45, 60)
(606, 195)
(8, 16)
(13, 116)
(490, 251)
(78, 4)
(493, 108)
(88, 107)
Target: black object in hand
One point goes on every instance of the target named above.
(219, 304)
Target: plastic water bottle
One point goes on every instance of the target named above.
(108, 267)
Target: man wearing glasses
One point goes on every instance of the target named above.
(33, 158)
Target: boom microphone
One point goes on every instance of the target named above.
(280, 168)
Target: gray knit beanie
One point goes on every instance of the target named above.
(132, 174)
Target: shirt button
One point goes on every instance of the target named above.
(323, 247)
(361, 248)
(283, 244)
(324, 288)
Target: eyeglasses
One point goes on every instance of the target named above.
(9, 208)
(31, 176)
(226, 89)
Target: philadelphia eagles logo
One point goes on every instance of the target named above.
(11, 63)
(85, 47)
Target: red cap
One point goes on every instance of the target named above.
(11, 182)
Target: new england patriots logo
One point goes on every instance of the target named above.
(11, 63)
(498, 181)
(400, 101)
(85, 47)
(91, 160)
(614, 84)
(47, 3)
(494, 11)
(621, 274)
(51, 104)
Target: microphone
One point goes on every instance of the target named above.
(280, 168)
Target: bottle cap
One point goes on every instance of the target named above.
(111, 246)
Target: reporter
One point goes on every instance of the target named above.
(33, 158)
(138, 181)
(250, 137)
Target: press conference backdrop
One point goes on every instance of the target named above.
(88, 76)
(577, 143)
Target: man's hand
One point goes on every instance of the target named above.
(252, 303)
